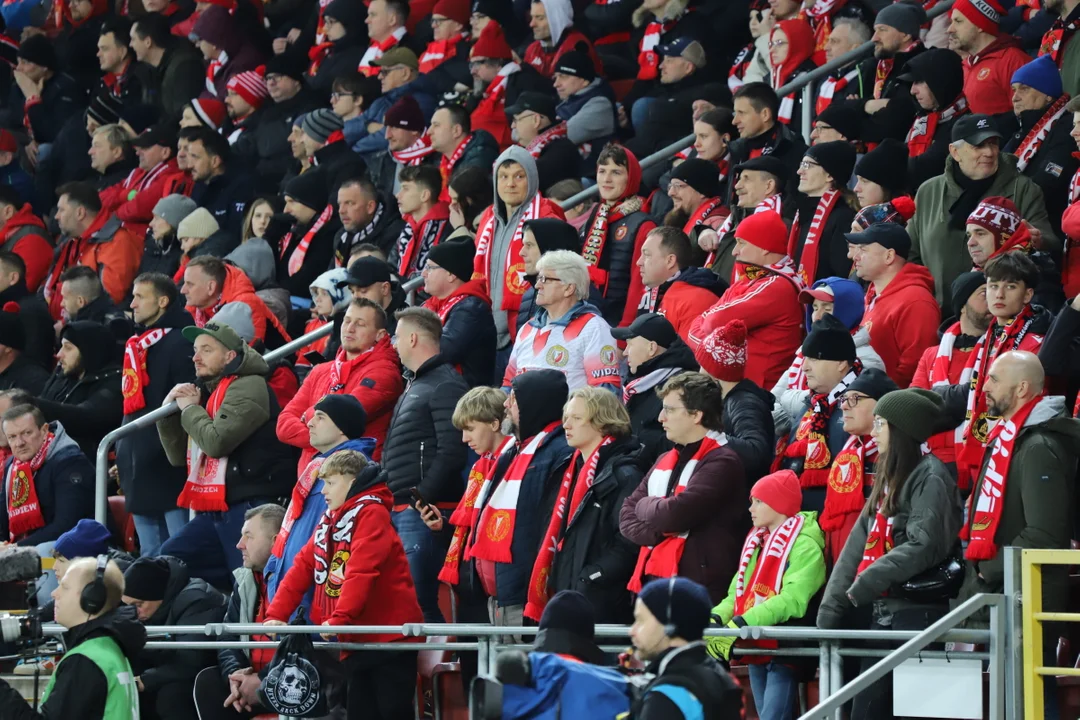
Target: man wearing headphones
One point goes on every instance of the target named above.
(670, 616)
(93, 680)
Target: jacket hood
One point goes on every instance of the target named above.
(811, 530)
(800, 45)
(581, 307)
(256, 259)
(1050, 416)
(540, 396)
(250, 363)
(62, 442)
(946, 82)
(678, 355)
(749, 386)
(521, 156)
(371, 481)
(23, 216)
(554, 234)
(560, 15)
(849, 300)
(178, 580)
(703, 278)
(122, 625)
(96, 344)
(910, 276)
(175, 317)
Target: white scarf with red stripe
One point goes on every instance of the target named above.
(415, 153)
(939, 371)
(648, 58)
(545, 138)
(772, 562)
(831, 87)
(212, 70)
(376, 50)
(135, 377)
(204, 489)
(296, 259)
(773, 203)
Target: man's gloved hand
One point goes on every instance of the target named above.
(720, 647)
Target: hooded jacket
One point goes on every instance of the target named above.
(947, 85)
(468, 333)
(109, 249)
(683, 298)
(26, 236)
(988, 75)
(65, 489)
(542, 56)
(902, 322)
(799, 60)
(336, 57)
(644, 406)
(748, 425)
(87, 406)
(893, 120)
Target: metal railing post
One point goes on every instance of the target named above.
(836, 673)
(1013, 645)
(807, 110)
(997, 662)
(824, 670)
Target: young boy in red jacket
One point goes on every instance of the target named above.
(361, 576)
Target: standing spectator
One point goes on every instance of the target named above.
(936, 79)
(990, 57)
(427, 220)
(175, 67)
(38, 335)
(366, 217)
(386, 30)
(695, 191)
(23, 233)
(554, 35)
(156, 359)
(1058, 42)
(672, 286)
(398, 76)
(586, 105)
(543, 136)
(888, 107)
(17, 370)
(308, 248)
(686, 514)
(227, 51)
(825, 211)
(756, 109)
(881, 174)
(221, 185)
(453, 137)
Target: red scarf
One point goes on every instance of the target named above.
(847, 478)
(439, 51)
(204, 489)
(464, 516)
(332, 543)
(375, 51)
(648, 58)
(446, 166)
(812, 434)
(320, 25)
(830, 87)
(808, 260)
(136, 378)
(939, 377)
(296, 259)
(986, 513)
(662, 560)
(878, 541)
(495, 529)
(317, 55)
(23, 509)
(704, 211)
(1056, 38)
(212, 70)
(340, 370)
(484, 265)
(415, 153)
(566, 508)
(300, 492)
(1070, 254)
(1029, 146)
(548, 136)
(921, 134)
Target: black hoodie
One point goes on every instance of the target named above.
(345, 54)
(540, 396)
(946, 82)
(644, 406)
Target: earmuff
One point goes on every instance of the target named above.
(669, 628)
(93, 597)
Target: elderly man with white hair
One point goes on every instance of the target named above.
(568, 334)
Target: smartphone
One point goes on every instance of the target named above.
(314, 357)
(417, 497)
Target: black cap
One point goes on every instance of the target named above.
(888, 235)
(974, 129)
(576, 63)
(873, 383)
(367, 271)
(539, 103)
(836, 158)
(651, 326)
(886, 165)
(845, 119)
(699, 174)
(770, 164)
(163, 134)
(963, 287)
(829, 339)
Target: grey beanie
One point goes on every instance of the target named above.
(905, 18)
(174, 208)
(321, 124)
(915, 412)
(237, 315)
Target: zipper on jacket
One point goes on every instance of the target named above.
(421, 462)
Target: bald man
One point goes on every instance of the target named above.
(94, 679)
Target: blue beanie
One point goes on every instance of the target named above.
(88, 538)
(679, 602)
(1042, 74)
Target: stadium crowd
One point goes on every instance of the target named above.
(870, 336)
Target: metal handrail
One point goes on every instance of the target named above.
(859, 53)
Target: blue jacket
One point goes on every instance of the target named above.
(304, 527)
(421, 89)
(13, 175)
(566, 688)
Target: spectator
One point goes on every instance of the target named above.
(695, 191)
(237, 422)
(221, 186)
(1057, 42)
(943, 203)
(673, 287)
(461, 147)
(888, 107)
(76, 30)
(226, 50)
(541, 236)
(205, 113)
(747, 409)
(386, 30)
(544, 136)
(38, 334)
(17, 370)
(791, 47)
(881, 174)
(670, 114)
(784, 549)
(670, 617)
(446, 58)
(93, 239)
(825, 211)
(17, 182)
(23, 233)
(407, 145)
(210, 284)
(751, 64)
(759, 188)
(837, 122)
(369, 278)
(975, 34)
(575, 337)
(163, 593)
(1070, 221)
(83, 298)
(244, 95)
(1044, 155)
(337, 422)
(290, 100)
(157, 175)
(492, 66)
(756, 109)
(42, 97)
(505, 556)
(238, 673)
(399, 76)
(351, 93)
(554, 35)
(308, 247)
(343, 48)
(367, 583)
(901, 314)
(464, 309)
(924, 509)
(695, 535)
(764, 296)
(175, 67)
(427, 220)
(937, 84)
(200, 236)
(329, 300)
(366, 216)
(847, 34)
(586, 105)
(110, 155)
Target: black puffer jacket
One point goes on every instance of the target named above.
(594, 558)
(226, 197)
(422, 448)
(1053, 166)
(644, 407)
(271, 137)
(748, 425)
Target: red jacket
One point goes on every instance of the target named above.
(368, 580)
(318, 346)
(943, 445)
(112, 251)
(238, 288)
(543, 61)
(134, 198)
(375, 380)
(988, 75)
(903, 321)
(683, 303)
(774, 317)
(34, 246)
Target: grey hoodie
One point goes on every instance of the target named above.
(504, 231)
(256, 258)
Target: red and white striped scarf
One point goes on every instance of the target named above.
(831, 87)
(514, 287)
(773, 203)
(648, 58)
(545, 138)
(647, 382)
(296, 259)
(212, 70)
(773, 551)
(415, 153)
(921, 134)
(300, 492)
(939, 370)
(703, 212)
(739, 67)
(808, 260)
(1031, 143)
(135, 377)
(375, 51)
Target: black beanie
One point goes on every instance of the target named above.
(845, 119)
(286, 64)
(829, 339)
(455, 256)
(346, 412)
(308, 188)
(554, 234)
(681, 603)
(701, 175)
(886, 165)
(943, 72)
(146, 578)
(105, 108)
(837, 158)
(12, 332)
(873, 383)
(962, 288)
(40, 51)
(571, 611)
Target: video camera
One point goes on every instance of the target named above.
(21, 633)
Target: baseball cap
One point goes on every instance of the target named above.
(539, 103)
(651, 326)
(974, 129)
(686, 48)
(163, 134)
(219, 331)
(398, 56)
(888, 235)
(824, 293)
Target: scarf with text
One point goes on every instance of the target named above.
(548, 136)
(921, 134)
(648, 58)
(212, 70)
(831, 87)
(416, 153)
(296, 258)
(847, 478)
(812, 434)
(204, 489)
(375, 51)
(495, 529)
(484, 265)
(1031, 143)
(300, 492)
(1057, 37)
(773, 551)
(418, 237)
(808, 260)
(879, 540)
(939, 370)
(23, 508)
(703, 212)
(738, 68)
(771, 203)
(332, 543)
(662, 560)
(439, 51)
(571, 493)
(446, 166)
(135, 377)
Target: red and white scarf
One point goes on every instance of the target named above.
(773, 551)
(812, 434)
(808, 259)
(296, 259)
(566, 508)
(495, 530)
(300, 492)
(204, 489)
(514, 285)
(446, 166)
(1031, 143)
(341, 368)
(135, 377)
(416, 153)
(847, 478)
(333, 546)
(703, 212)
(212, 70)
(648, 382)
(738, 68)
(320, 26)
(831, 87)
(139, 180)
(1056, 38)
(607, 212)
(648, 58)
(879, 540)
(786, 113)
(375, 51)
(921, 134)
(939, 371)
(771, 203)
(545, 138)
(23, 507)
(439, 51)
(662, 560)
(884, 67)
(795, 377)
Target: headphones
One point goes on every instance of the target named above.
(93, 597)
(669, 628)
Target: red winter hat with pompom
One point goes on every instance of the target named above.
(723, 353)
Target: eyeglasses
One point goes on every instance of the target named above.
(273, 78)
(383, 72)
(676, 186)
(777, 43)
(437, 21)
(669, 409)
(338, 95)
(851, 399)
(477, 63)
(519, 118)
(807, 164)
(544, 280)
(880, 422)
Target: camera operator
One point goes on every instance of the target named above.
(94, 678)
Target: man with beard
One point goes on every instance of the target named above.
(1059, 42)
(244, 95)
(888, 106)
(990, 57)
(936, 78)
(366, 217)
(698, 209)
(759, 188)
(673, 287)
(308, 248)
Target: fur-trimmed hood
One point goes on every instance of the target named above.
(671, 10)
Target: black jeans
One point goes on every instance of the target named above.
(382, 685)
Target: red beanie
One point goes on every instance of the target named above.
(250, 85)
(723, 354)
(456, 10)
(983, 14)
(211, 112)
(491, 44)
(1001, 217)
(765, 230)
(780, 491)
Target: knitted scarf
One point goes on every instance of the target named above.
(23, 508)
(548, 136)
(375, 51)
(1058, 36)
(300, 492)
(812, 434)
(446, 166)
(418, 237)
(296, 258)
(879, 540)
(771, 203)
(416, 153)
(648, 382)
(1031, 143)
(212, 70)
(648, 58)
(808, 260)
(847, 478)
(831, 87)
(484, 265)
(921, 134)
(135, 377)
(939, 371)
(772, 552)
(704, 211)
(204, 489)
(333, 546)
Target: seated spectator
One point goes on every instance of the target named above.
(110, 155)
(847, 34)
(23, 233)
(17, 370)
(586, 105)
(92, 238)
(577, 215)
(307, 249)
(670, 113)
(554, 35)
(399, 76)
(924, 507)
(695, 191)
(881, 174)
(83, 298)
(407, 145)
(17, 183)
(695, 535)
(367, 584)
(791, 48)
(325, 145)
(370, 278)
(157, 176)
(1070, 222)
(837, 122)
(352, 93)
(386, 31)
(673, 287)
(747, 409)
(209, 284)
(163, 593)
(427, 220)
(161, 250)
(453, 137)
(825, 211)
(765, 296)
(176, 70)
(366, 216)
(39, 337)
(343, 48)
(542, 236)
(220, 185)
(329, 297)
(887, 105)
(235, 422)
(42, 97)
(937, 84)
(938, 225)
(238, 673)
(365, 367)
(245, 94)
(47, 477)
(543, 136)
(756, 109)
(991, 57)
(446, 57)
(200, 236)
(226, 50)
(205, 113)
(759, 187)
(290, 99)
